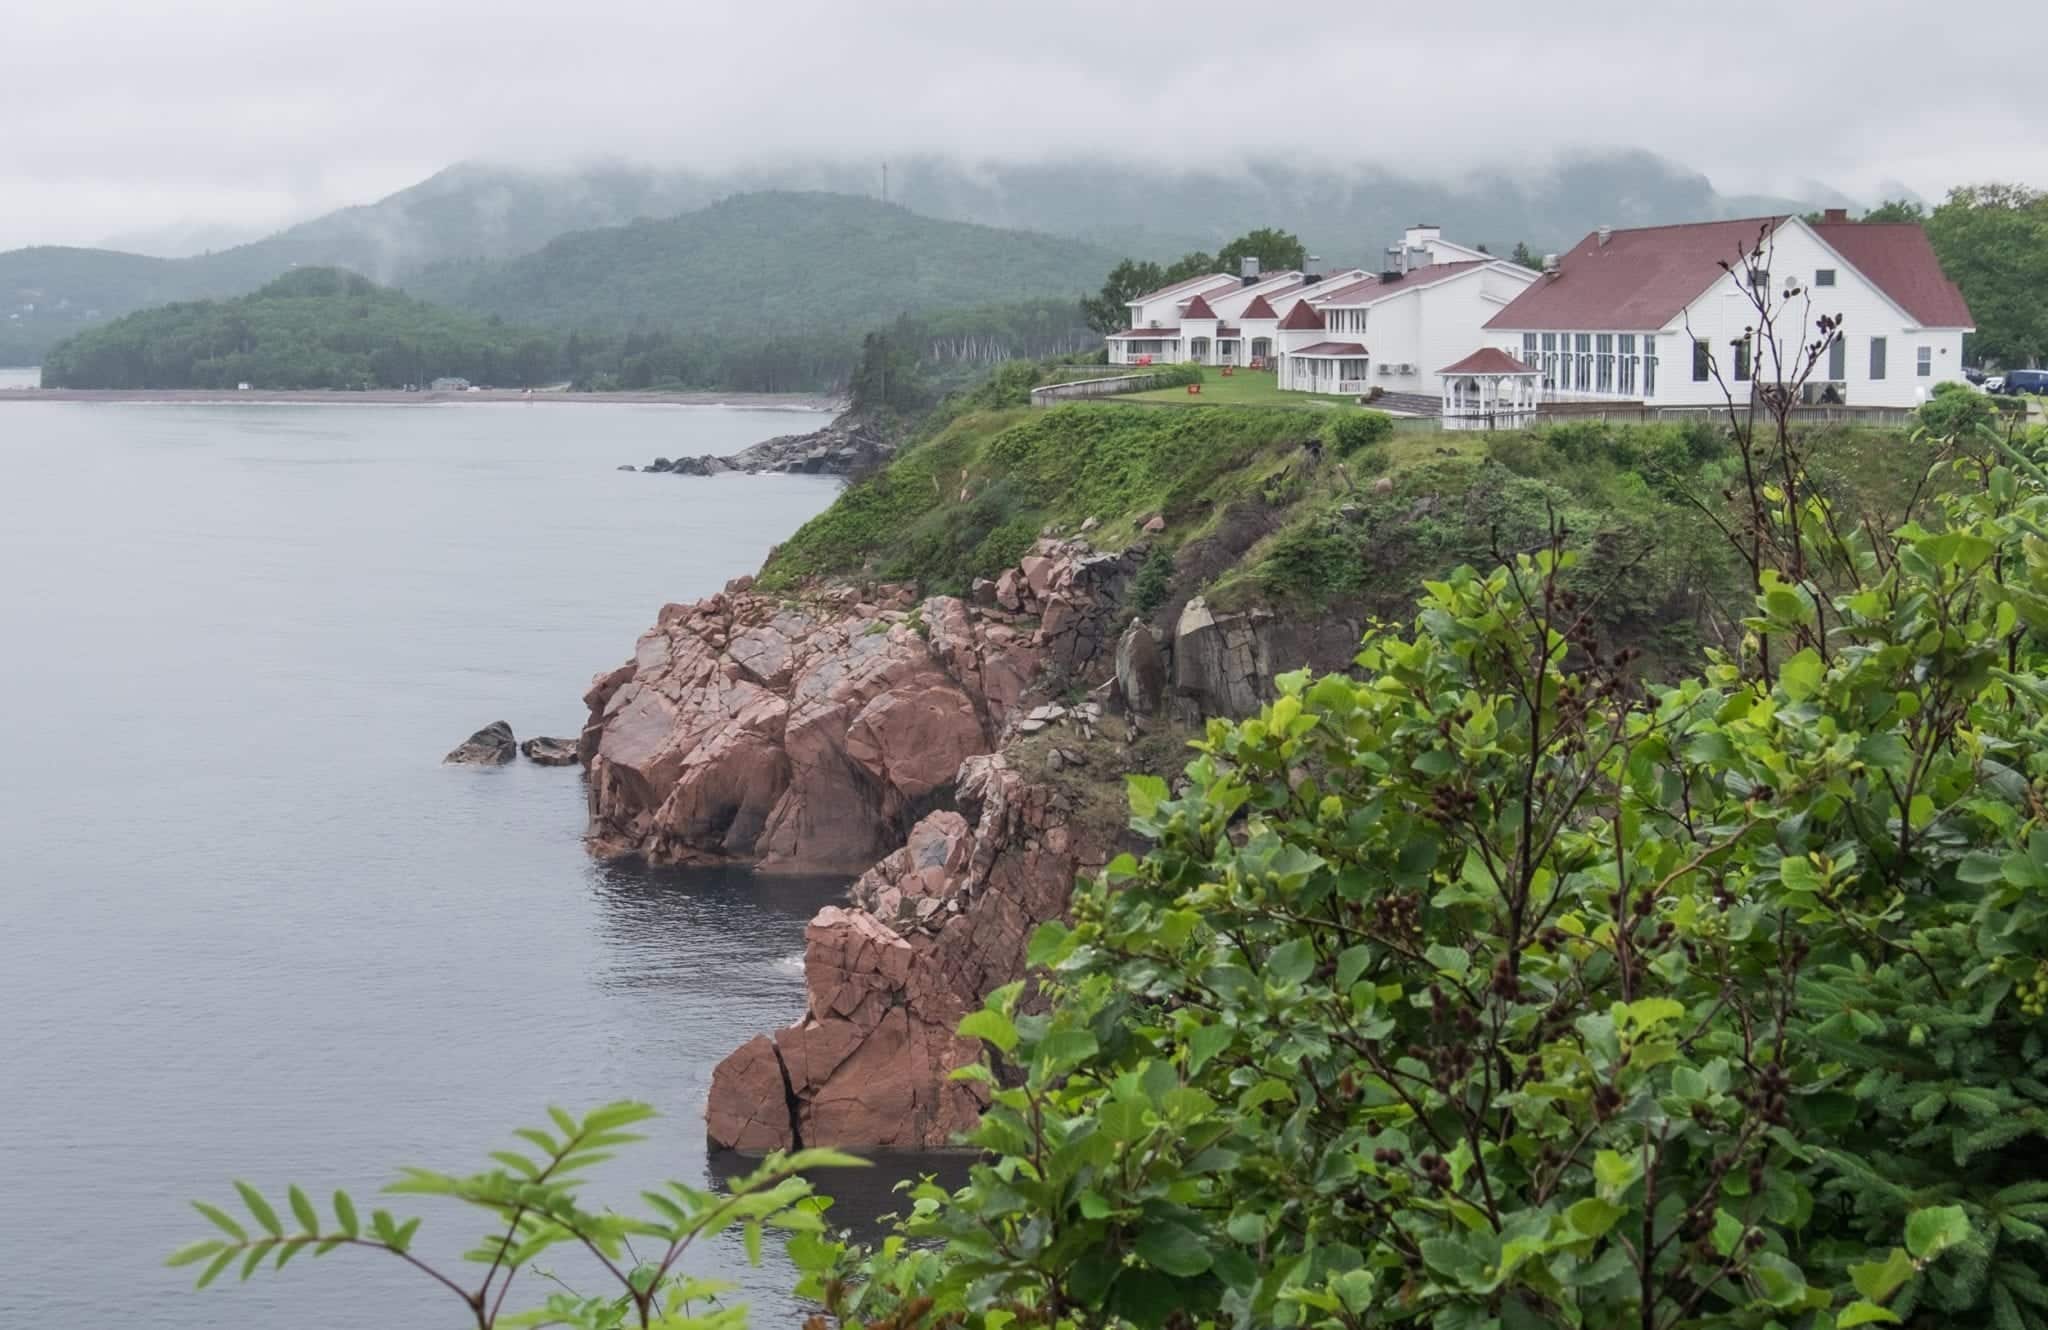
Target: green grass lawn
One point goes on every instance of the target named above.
(1247, 387)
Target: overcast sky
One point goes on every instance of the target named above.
(117, 117)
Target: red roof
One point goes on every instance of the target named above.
(1303, 316)
(1898, 259)
(1374, 289)
(1186, 284)
(1490, 360)
(1641, 278)
(1327, 292)
(1147, 334)
(1198, 308)
(1258, 309)
(1330, 349)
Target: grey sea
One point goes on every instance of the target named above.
(249, 926)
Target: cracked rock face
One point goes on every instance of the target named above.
(931, 929)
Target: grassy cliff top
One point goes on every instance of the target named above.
(1268, 506)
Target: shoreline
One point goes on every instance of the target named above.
(798, 402)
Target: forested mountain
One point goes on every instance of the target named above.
(480, 211)
(314, 328)
(770, 263)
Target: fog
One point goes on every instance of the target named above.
(118, 118)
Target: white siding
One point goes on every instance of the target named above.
(1431, 326)
(1721, 313)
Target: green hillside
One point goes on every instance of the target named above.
(315, 328)
(769, 263)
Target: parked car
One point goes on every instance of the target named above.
(2022, 381)
(1974, 375)
(1995, 384)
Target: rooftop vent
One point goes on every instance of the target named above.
(1550, 268)
(1606, 233)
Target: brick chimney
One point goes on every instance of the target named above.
(1835, 215)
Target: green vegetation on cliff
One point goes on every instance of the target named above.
(315, 328)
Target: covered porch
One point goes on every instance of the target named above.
(1334, 368)
(1147, 346)
(1489, 388)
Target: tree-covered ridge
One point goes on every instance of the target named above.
(769, 264)
(314, 328)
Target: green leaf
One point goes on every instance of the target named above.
(1800, 677)
(752, 1236)
(1205, 1044)
(260, 1208)
(1878, 1280)
(992, 1026)
(1290, 964)
(220, 1219)
(1932, 1232)
(1861, 1312)
(214, 1267)
(195, 1252)
(345, 1213)
(1173, 1248)
(1453, 961)
(302, 1210)
(1146, 794)
(1593, 1216)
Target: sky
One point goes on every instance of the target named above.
(229, 117)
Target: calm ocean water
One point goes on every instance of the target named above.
(249, 926)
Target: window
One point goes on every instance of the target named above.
(1550, 379)
(1742, 360)
(1838, 359)
(1702, 362)
(1626, 380)
(1923, 363)
(1649, 367)
(1583, 378)
(1605, 380)
(1823, 276)
(1876, 358)
(1529, 351)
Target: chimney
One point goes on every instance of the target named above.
(1835, 215)
(1550, 268)
(1312, 268)
(1248, 268)
(1606, 233)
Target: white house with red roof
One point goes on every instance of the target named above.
(1339, 333)
(1652, 315)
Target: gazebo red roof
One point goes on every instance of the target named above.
(1331, 349)
(1488, 360)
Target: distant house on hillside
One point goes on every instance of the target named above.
(449, 385)
(1649, 314)
(1344, 332)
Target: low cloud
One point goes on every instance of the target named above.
(121, 116)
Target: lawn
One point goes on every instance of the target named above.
(1247, 387)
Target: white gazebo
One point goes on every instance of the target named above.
(1488, 388)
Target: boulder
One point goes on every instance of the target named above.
(1222, 664)
(1384, 485)
(1010, 590)
(1156, 525)
(550, 752)
(491, 746)
(1140, 670)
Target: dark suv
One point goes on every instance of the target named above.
(2023, 381)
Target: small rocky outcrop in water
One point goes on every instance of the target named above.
(550, 752)
(491, 746)
(841, 448)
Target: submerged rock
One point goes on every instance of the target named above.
(491, 746)
(549, 752)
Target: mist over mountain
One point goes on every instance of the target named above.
(480, 211)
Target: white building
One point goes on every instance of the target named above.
(1343, 333)
(1653, 314)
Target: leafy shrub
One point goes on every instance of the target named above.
(1352, 430)
(1154, 579)
(1490, 988)
(1955, 410)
